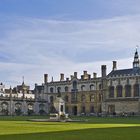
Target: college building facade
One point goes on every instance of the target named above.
(116, 93)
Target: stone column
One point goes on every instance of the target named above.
(123, 91)
(24, 107)
(36, 108)
(115, 92)
(132, 90)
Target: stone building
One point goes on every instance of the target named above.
(122, 93)
(20, 101)
(115, 93)
(82, 96)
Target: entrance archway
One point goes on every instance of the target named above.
(111, 109)
(74, 110)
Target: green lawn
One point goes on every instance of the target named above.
(17, 128)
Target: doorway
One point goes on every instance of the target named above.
(111, 109)
(75, 110)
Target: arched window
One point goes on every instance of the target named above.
(66, 98)
(59, 90)
(136, 90)
(100, 97)
(67, 109)
(51, 90)
(74, 85)
(18, 108)
(51, 99)
(92, 98)
(127, 90)
(119, 91)
(30, 108)
(83, 88)
(83, 98)
(100, 86)
(92, 109)
(92, 87)
(4, 106)
(111, 91)
(52, 109)
(41, 107)
(66, 89)
(83, 109)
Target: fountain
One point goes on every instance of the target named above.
(60, 115)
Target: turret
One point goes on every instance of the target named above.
(136, 60)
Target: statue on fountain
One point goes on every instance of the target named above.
(59, 105)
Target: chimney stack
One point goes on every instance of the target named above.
(103, 69)
(45, 78)
(89, 76)
(94, 75)
(67, 79)
(85, 73)
(71, 77)
(61, 77)
(114, 65)
(75, 74)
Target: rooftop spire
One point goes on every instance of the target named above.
(136, 59)
(52, 79)
(22, 80)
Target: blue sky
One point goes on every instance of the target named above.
(69, 9)
(63, 36)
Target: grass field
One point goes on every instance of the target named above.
(18, 128)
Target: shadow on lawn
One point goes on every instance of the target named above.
(127, 133)
(87, 120)
(21, 118)
(42, 123)
(111, 120)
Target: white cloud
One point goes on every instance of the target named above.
(34, 46)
